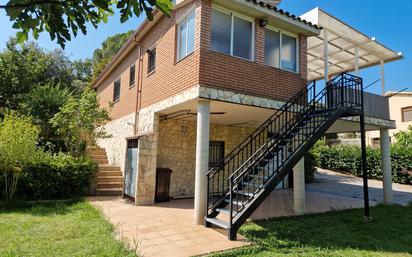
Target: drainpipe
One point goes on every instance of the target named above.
(139, 84)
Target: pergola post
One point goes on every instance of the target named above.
(382, 77)
(356, 59)
(326, 54)
(386, 166)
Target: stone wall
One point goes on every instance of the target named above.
(115, 146)
(146, 172)
(177, 150)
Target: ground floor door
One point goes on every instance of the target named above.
(131, 169)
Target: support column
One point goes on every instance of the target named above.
(383, 77)
(356, 61)
(299, 187)
(364, 165)
(386, 166)
(202, 160)
(326, 55)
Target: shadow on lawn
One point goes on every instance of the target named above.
(40, 208)
(388, 232)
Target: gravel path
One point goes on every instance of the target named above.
(334, 183)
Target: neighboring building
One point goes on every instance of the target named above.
(194, 91)
(400, 106)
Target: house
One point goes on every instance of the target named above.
(400, 107)
(228, 95)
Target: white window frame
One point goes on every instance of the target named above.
(295, 36)
(234, 14)
(180, 21)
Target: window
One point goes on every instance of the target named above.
(281, 50)
(216, 153)
(116, 91)
(407, 114)
(132, 75)
(232, 34)
(186, 40)
(152, 60)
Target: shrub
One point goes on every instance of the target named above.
(18, 140)
(309, 167)
(55, 177)
(348, 159)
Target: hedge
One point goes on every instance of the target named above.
(348, 159)
(54, 177)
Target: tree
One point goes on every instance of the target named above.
(404, 138)
(64, 18)
(23, 68)
(109, 48)
(42, 103)
(80, 121)
(18, 139)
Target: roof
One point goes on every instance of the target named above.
(342, 40)
(282, 12)
(404, 93)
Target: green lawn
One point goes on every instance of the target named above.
(342, 233)
(57, 229)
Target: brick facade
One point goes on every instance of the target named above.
(252, 77)
(203, 67)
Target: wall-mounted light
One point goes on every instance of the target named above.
(263, 22)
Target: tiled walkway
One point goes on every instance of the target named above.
(164, 229)
(167, 229)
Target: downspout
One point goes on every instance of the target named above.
(139, 85)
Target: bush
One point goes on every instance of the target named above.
(348, 159)
(309, 167)
(55, 177)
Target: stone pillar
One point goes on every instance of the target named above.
(202, 160)
(146, 167)
(299, 187)
(386, 166)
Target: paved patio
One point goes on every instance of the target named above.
(167, 229)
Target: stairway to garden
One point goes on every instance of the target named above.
(109, 177)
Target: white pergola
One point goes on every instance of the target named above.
(341, 48)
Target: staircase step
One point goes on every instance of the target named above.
(108, 167)
(101, 161)
(218, 222)
(98, 156)
(109, 192)
(104, 179)
(225, 211)
(236, 202)
(109, 173)
(111, 185)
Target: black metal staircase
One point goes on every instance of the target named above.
(254, 168)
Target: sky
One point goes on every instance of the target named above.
(388, 21)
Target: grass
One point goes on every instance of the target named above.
(343, 233)
(57, 229)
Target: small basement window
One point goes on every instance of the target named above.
(151, 60)
(407, 114)
(116, 91)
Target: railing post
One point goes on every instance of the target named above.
(207, 224)
(231, 205)
(342, 91)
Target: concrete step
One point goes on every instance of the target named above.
(101, 161)
(111, 185)
(109, 192)
(108, 167)
(98, 156)
(103, 179)
(109, 173)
